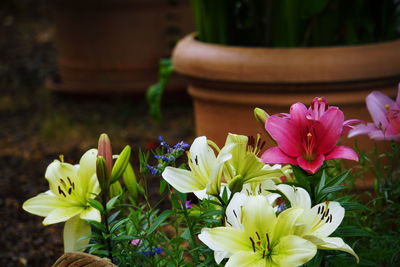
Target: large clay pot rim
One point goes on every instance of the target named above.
(286, 65)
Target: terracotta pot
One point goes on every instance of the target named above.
(115, 46)
(227, 83)
(78, 259)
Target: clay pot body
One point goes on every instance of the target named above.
(227, 83)
(115, 46)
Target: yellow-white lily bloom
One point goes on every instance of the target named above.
(317, 223)
(204, 177)
(245, 163)
(262, 239)
(67, 200)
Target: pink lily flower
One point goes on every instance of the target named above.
(386, 116)
(308, 137)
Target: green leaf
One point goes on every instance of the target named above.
(351, 231)
(111, 218)
(95, 204)
(301, 177)
(97, 225)
(110, 204)
(311, 8)
(120, 164)
(332, 189)
(348, 206)
(118, 225)
(321, 183)
(160, 219)
(154, 92)
(338, 179)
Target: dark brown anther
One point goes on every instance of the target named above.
(258, 236)
(70, 191)
(268, 244)
(234, 213)
(69, 180)
(62, 182)
(253, 245)
(61, 192)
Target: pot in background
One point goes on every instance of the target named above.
(115, 46)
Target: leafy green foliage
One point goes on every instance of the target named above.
(296, 23)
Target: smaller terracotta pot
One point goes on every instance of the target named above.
(78, 259)
(115, 46)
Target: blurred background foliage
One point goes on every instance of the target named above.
(296, 23)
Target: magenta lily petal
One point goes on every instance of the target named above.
(285, 133)
(275, 155)
(330, 129)
(311, 166)
(398, 95)
(298, 113)
(350, 125)
(362, 129)
(342, 152)
(376, 102)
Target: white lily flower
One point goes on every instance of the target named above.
(205, 170)
(318, 222)
(67, 200)
(262, 239)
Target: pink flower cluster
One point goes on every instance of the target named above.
(308, 137)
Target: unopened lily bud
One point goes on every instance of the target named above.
(120, 164)
(102, 173)
(105, 150)
(261, 116)
(236, 184)
(129, 178)
(116, 189)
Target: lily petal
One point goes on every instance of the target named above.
(43, 204)
(276, 155)
(234, 210)
(332, 243)
(325, 227)
(87, 168)
(59, 170)
(246, 258)
(311, 166)
(293, 251)
(329, 129)
(285, 225)
(202, 156)
(342, 152)
(225, 239)
(91, 214)
(74, 230)
(285, 133)
(376, 102)
(297, 196)
(182, 180)
(362, 129)
(62, 214)
(258, 215)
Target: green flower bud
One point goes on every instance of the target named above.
(120, 164)
(129, 178)
(102, 173)
(236, 184)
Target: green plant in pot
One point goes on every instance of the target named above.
(249, 53)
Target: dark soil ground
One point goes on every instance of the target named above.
(36, 125)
